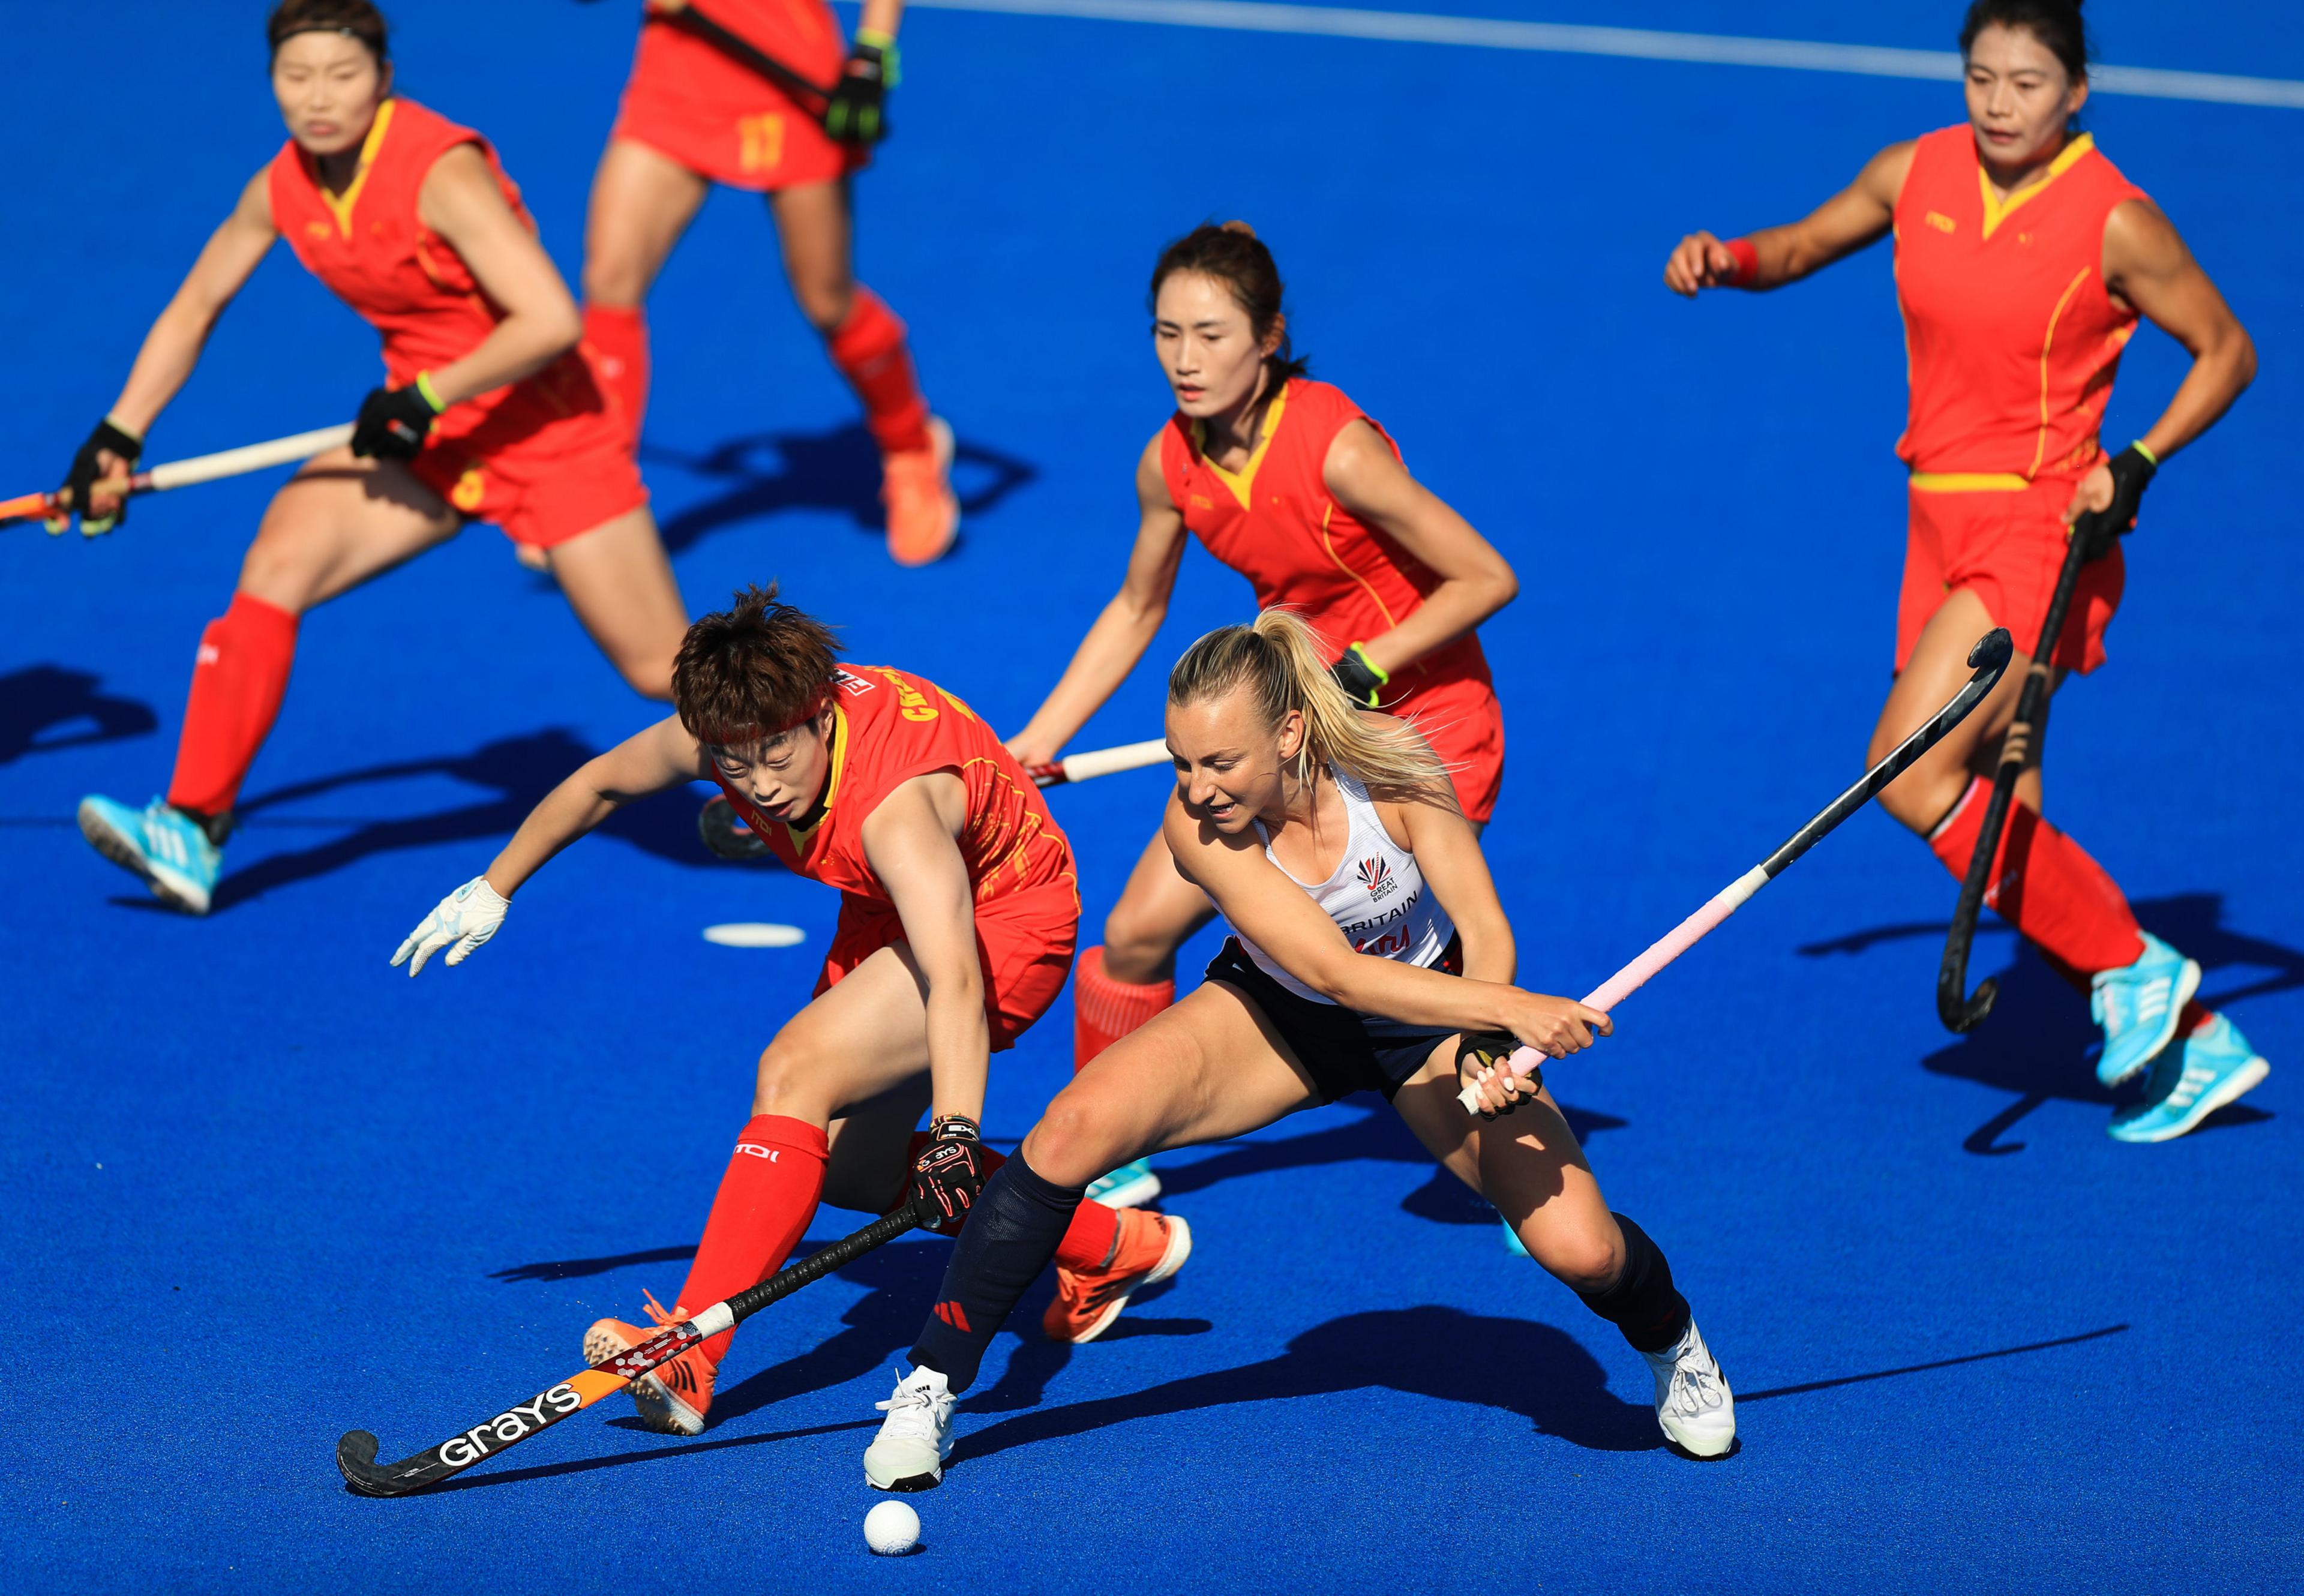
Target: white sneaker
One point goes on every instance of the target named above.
(1694, 1405)
(908, 1453)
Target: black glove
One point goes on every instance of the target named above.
(1483, 1052)
(855, 115)
(2132, 471)
(949, 1174)
(86, 470)
(1358, 676)
(393, 422)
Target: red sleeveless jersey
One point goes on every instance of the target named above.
(890, 725)
(370, 248)
(2010, 335)
(1276, 522)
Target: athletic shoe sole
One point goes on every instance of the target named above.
(1179, 1248)
(178, 891)
(1134, 1192)
(910, 1482)
(2230, 1089)
(659, 1409)
(2188, 982)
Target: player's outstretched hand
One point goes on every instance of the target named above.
(1557, 1027)
(466, 917)
(109, 452)
(1701, 261)
(1482, 1068)
(949, 1174)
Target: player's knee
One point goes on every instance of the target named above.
(825, 301)
(1070, 1145)
(612, 276)
(1586, 1260)
(789, 1081)
(278, 570)
(648, 674)
(1138, 947)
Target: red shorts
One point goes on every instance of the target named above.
(715, 116)
(545, 460)
(1024, 941)
(2007, 548)
(1465, 725)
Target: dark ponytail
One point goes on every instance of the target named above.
(1235, 257)
(2055, 23)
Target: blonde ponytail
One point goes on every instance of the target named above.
(1278, 659)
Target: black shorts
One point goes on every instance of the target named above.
(1344, 1050)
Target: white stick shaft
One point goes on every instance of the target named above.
(250, 457)
(1663, 951)
(1106, 762)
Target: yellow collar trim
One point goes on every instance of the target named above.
(1243, 483)
(1997, 210)
(340, 206)
(800, 836)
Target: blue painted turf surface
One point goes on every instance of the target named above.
(260, 1189)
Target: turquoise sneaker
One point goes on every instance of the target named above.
(2138, 1006)
(163, 845)
(1131, 1185)
(1513, 1243)
(2214, 1067)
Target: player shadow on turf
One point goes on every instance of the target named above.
(1377, 1135)
(764, 473)
(2038, 1042)
(40, 698)
(1550, 1380)
(520, 770)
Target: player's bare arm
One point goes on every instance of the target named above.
(665, 755)
(1855, 218)
(1448, 850)
(1123, 631)
(1274, 912)
(462, 202)
(2147, 264)
(1476, 581)
(911, 843)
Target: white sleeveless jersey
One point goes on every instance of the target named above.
(1378, 896)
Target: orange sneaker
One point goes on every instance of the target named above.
(1150, 1248)
(673, 1398)
(923, 515)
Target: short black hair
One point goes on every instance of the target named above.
(2055, 23)
(356, 18)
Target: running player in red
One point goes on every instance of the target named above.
(2023, 259)
(958, 912)
(693, 115)
(490, 411)
(1369, 954)
(1288, 483)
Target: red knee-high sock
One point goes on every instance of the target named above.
(2043, 884)
(870, 350)
(764, 1202)
(238, 680)
(618, 340)
(1105, 1010)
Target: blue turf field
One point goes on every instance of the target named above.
(259, 1188)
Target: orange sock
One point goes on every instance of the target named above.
(238, 679)
(617, 335)
(2043, 884)
(1105, 1010)
(870, 350)
(764, 1202)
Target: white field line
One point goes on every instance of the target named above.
(1874, 60)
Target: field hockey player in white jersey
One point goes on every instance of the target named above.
(1371, 953)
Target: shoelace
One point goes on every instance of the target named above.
(911, 1410)
(1694, 1388)
(655, 1311)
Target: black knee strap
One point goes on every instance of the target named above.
(1011, 1233)
(1643, 1302)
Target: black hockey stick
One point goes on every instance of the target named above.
(356, 1453)
(744, 52)
(1958, 1011)
(1987, 659)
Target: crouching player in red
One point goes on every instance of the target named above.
(957, 924)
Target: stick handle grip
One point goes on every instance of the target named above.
(1102, 761)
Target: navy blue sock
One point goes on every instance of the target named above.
(1643, 1302)
(1011, 1234)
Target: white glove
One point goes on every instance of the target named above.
(467, 917)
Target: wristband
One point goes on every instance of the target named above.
(431, 395)
(2151, 459)
(1748, 262)
(1360, 676)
